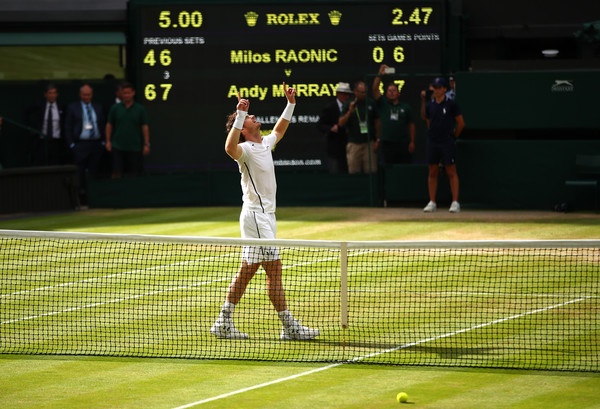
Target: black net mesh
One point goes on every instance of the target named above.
(503, 304)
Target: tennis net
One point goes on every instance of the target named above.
(495, 304)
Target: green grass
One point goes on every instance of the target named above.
(105, 382)
(325, 223)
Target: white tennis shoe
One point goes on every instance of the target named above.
(431, 207)
(297, 331)
(224, 328)
(454, 207)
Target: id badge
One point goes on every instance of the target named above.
(394, 116)
(88, 126)
(364, 129)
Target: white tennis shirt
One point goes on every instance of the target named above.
(259, 186)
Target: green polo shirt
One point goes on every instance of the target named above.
(394, 120)
(127, 126)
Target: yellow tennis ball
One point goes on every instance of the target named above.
(402, 397)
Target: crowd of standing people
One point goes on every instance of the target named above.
(88, 133)
(367, 130)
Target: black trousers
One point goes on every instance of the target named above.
(87, 156)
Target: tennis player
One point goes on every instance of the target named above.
(253, 154)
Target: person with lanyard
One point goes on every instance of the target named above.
(396, 140)
(359, 118)
(444, 125)
(253, 154)
(84, 131)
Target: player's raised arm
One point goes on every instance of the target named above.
(232, 146)
(284, 121)
(290, 93)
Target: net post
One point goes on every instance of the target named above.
(344, 285)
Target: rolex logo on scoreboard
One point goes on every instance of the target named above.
(292, 19)
(335, 17)
(251, 18)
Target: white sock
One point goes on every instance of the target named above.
(286, 317)
(227, 309)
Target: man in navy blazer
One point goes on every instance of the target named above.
(47, 118)
(84, 130)
(336, 135)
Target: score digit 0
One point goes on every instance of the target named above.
(184, 19)
(397, 54)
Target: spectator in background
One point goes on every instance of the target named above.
(444, 125)
(46, 116)
(335, 134)
(127, 133)
(118, 89)
(451, 93)
(396, 138)
(359, 118)
(117, 98)
(84, 130)
(113, 87)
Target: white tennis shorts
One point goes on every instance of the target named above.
(255, 225)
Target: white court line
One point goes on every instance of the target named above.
(113, 301)
(385, 351)
(117, 300)
(262, 385)
(163, 266)
(131, 272)
(106, 277)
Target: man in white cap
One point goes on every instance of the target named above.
(335, 134)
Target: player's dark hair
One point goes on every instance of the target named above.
(229, 123)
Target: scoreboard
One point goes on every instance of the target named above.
(192, 58)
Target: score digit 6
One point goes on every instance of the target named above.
(164, 57)
(397, 54)
(150, 91)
